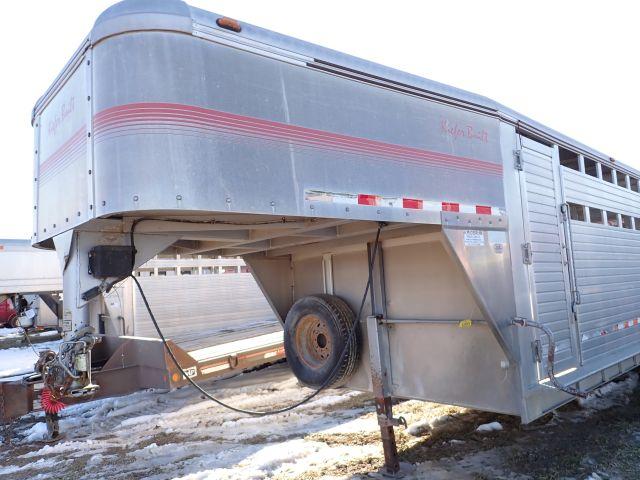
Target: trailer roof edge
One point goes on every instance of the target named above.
(178, 16)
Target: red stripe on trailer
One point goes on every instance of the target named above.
(364, 199)
(77, 139)
(483, 210)
(412, 203)
(450, 207)
(167, 115)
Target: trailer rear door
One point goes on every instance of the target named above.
(545, 252)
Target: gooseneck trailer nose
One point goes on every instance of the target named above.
(501, 237)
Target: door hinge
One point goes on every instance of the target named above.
(536, 349)
(517, 155)
(526, 253)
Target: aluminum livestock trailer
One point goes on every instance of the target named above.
(498, 236)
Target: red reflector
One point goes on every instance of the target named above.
(450, 207)
(367, 200)
(411, 203)
(483, 210)
(229, 24)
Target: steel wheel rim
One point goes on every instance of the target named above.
(313, 341)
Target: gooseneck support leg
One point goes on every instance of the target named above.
(379, 358)
(389, 447)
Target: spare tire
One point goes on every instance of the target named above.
(316, 331)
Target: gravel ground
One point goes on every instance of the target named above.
(179, 435)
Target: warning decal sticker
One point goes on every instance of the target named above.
(473, 238)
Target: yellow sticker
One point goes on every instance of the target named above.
(465, 323)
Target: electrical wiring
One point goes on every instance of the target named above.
(325, 384)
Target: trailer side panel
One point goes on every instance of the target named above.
(201, 126)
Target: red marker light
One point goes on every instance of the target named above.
(367, 200)
(412, 203)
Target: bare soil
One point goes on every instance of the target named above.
(573, 443)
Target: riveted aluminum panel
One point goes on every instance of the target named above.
(183, 123)
(173, 15)
(63, 193)
(482, 251)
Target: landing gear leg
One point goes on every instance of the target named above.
(53, 426)
(389, 447)
(378, 357)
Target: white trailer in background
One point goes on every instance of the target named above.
(199, 301)
(30, 284)
(211, 308)
(507, 250)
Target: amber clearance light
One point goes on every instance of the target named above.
(229, 24)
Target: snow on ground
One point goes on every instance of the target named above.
(489, 427)
(611, 394)
(180, 435)
(10, 332)
(20, 360)
(174, 435)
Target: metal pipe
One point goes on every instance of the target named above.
(461, 323)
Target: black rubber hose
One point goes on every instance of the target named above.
(551, 354)
(256, 413)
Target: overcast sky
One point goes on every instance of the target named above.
(572, 65)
